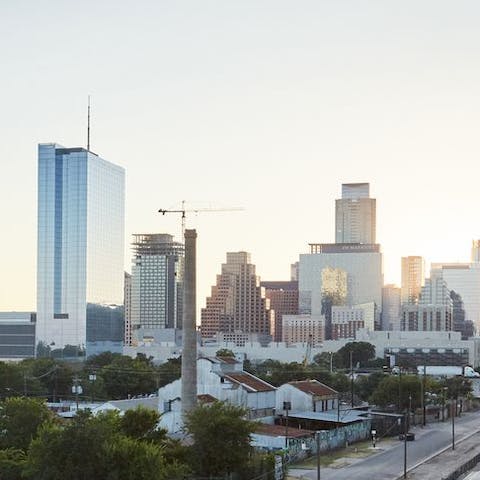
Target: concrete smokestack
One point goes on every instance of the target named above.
(189, 350)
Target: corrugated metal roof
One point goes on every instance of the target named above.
(313, 387)
(331, 416)
(279, 431)
(249, 381)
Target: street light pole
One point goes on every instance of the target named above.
(409, 412)
(405, 448)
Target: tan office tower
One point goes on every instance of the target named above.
(413, 278)
(355, 215)
(391, 307)
(238, 302)
(476, 251)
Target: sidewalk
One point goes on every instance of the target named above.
(354, 453)
(449, 464)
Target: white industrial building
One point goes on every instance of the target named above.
(222, 379)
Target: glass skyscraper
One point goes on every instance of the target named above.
(80, 248)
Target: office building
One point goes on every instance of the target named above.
(426, 318)
(80, 249)
(283, 298)
(303, 329)
(355, 215)
(156, 283)
(413, 278)
(364, 275)
(237, 302)
(463, 279)
(17, 335)
(475, 251)
(334, 293)
(391, 304)
(346, 320)
(294, 272)
(127, 305)
(460, 324)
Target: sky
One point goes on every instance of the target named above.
(267, 105)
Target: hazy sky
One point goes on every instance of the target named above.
(263, 104)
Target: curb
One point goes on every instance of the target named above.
(439, 452)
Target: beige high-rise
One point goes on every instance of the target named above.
(355, 215)
(413, 279)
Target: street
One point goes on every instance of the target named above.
(388, 464)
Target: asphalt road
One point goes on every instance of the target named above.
(388, 464)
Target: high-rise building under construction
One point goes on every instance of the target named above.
(156, 283)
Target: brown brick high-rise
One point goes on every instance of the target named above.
(237, 302)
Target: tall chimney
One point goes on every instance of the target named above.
(189, 325)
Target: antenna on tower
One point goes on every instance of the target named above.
(88, 125)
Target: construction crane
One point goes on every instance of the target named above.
(184, 212)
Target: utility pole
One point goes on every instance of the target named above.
(317, 434)
(405, 447)
(351, 375)
(76, 389)
(453, 408)
(424, 413)
(286, 406)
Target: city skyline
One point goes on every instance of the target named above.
(253, 114)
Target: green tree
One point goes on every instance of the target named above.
(128, 376)
(20, 419)
(75, 451)
(127, 459)
(169, 371)
(11, 379)
(54, 376)
(225, 352)
(12, 463)
(96, 447)
(142, 424)
(457, 387)
(365, 385)
(362, 352)
(397, 390)
(100, 360)
(221, 438)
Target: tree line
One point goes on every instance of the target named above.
(36, 445)
(107, 376)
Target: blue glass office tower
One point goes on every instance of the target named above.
(80, 248)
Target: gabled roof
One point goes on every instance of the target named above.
(313, 387)
(206, 398)
(249, 381)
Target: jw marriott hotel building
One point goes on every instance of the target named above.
(80, 267)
